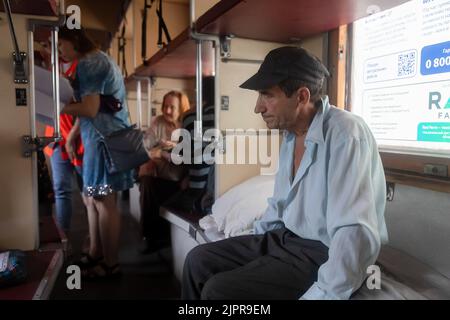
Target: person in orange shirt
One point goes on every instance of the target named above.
(66, 158)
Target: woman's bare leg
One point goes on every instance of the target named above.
(109, 227)
(95, 245)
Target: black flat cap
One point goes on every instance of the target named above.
(287, 62)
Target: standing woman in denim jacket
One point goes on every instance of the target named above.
(97, 74)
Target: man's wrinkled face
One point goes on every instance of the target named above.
(277, 110)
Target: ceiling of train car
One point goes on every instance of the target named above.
(99, 14)
(177, 1)
(103, 15)
(100, 18)
(129, 30)
(35, 7)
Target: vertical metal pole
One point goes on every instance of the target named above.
(149, 102)
(216, 109)
(135, 18)
(32, 82)
(139, 103)
(199, 100)
(217, 85)
(33, 134)
(192, 14)
(62, 9)
(55, 81)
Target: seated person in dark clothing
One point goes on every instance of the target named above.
(198, 195)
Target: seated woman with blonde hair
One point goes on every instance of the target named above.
(159, 178)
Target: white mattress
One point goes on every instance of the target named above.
(402, 276)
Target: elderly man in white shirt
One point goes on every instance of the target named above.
(325, 222)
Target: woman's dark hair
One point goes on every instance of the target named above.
(78, 37)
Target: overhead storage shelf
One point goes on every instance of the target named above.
(284, 21)
(35, 7)
(178, 59)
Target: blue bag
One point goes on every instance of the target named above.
(12, 268)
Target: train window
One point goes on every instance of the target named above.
(400, 83)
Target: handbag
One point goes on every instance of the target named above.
(123, 150)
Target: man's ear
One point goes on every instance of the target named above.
(303, 96)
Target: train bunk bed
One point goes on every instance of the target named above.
(405, 274)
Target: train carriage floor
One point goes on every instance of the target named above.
(145, 276)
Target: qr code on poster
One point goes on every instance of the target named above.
(406, 64)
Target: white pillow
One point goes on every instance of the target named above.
(237, 209)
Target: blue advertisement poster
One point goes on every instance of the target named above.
(401, 76)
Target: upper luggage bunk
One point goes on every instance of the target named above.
(35, 7)
(177, 59)
(285, 21)
(266, 20)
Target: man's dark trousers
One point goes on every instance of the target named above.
(276, 265)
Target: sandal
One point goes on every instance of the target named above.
(103, 271)
(86, 261)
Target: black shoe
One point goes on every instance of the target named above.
(86, 261)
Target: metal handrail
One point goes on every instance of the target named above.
(199, 37)
(17, 55)
(139, 99)
(34, 142)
